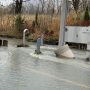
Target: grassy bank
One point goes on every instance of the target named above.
(48, 25)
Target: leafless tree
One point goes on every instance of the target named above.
(42, 2)
(76, 4)
(85, 3)
(18, 5)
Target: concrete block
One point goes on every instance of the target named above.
(5, 43)
(64, 51)
(0, 42)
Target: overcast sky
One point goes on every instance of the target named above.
(5, 2)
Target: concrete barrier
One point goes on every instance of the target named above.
(5, 43)
(64, 51)
(0, 42)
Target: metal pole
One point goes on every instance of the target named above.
(24, 36)
(1, 16)
(42, 37)
(62, 23)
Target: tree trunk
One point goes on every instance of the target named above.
(18, 6)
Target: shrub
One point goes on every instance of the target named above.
(86, 15)
(19, 23)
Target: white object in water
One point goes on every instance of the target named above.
(64, 51)
(24, 35)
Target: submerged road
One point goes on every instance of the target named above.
(20, 71)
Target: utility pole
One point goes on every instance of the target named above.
(63, 50)
(62, 22)
(2, 8)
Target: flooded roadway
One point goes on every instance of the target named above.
(20, 71)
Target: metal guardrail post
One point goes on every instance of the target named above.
(24, 35)
(37, 51)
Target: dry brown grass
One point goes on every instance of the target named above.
(7, 25)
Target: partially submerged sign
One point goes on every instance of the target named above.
(77, 36)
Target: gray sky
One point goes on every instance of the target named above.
(6, 2)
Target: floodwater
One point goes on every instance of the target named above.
(21, 71)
